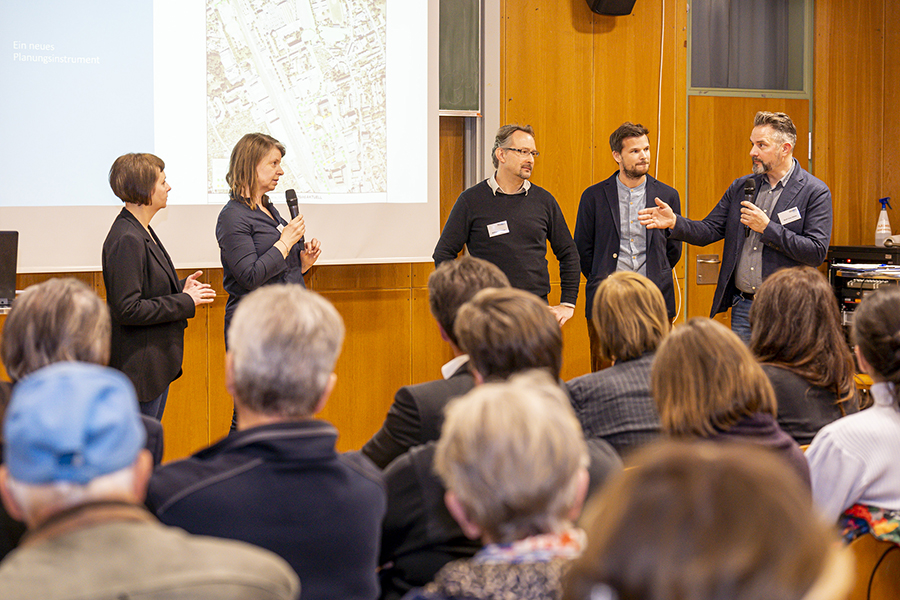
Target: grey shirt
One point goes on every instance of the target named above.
(633, 238)
(748, 273)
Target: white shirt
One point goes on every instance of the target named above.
(856, 459)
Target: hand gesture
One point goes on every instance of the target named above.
(661, 217)
(200, 293)
(562, 313)
(310, 254)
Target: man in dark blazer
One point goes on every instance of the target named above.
(786, 224)
(417, 413)
(609, 208)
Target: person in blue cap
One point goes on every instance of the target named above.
(76, 472)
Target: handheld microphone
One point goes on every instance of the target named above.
(749, 190)
(291, 197)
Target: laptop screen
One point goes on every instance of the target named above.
(9, 251)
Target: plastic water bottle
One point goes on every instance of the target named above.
(883, 228)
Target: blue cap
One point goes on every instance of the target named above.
(71, 422)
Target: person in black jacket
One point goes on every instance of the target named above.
(417, 413)
(149, 305)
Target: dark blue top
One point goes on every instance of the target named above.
(283, 487)
(249, 256)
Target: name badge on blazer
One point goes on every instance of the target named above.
(789, 216)
(495, 229)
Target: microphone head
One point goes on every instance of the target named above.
(749, 187)
(290, 197)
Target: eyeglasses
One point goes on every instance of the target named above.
(524, 152)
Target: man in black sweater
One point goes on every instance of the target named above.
(508, 221)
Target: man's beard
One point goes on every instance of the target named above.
(759, 167)
(634, 173)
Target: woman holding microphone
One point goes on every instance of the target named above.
(149, 305)
(257, 245)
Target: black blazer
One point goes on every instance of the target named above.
(148, 307)
(597, 237)
(416, 416)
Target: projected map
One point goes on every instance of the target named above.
(310, 73)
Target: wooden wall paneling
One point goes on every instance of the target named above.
(547, 82)
(718, 153)
(220, 406)
(429, 352)
(452, 157)
(374, 361)
(576, 346)
(850, 102)
(890, 184)
(186, 418)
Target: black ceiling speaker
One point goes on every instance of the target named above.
(611, 7)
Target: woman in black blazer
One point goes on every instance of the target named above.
(258, 247)
(149, 305)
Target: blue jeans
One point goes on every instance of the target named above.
(155, 407)
(740, 317)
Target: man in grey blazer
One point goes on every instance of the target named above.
(608, 235)
(786, 222)
(417, 413)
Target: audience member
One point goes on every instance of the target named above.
(707, 385)
(705, 521)
(795, 332)
(615, 404)
(854, 460)
(55, 321)
(76, 473)
(278, 482)
(504, 331)
(416, 415)
(512, 457)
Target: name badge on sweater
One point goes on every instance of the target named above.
(496, 229)
(789, 216)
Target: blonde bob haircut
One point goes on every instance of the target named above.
(704, 379)
(707, 521)
(245, 158)
(629, 315)
(512, 452)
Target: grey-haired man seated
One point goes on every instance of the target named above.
(76, 473)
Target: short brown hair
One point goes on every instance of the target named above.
(630, 317)
(624, 131)
(505, 331)
(795, 324)
(503, 136)
(780, 123)
(705, 379)
(454, 283)
(245, 157)
(876, 333)
(55, 321)
(511, 453)
(707, 521)
(133, 177)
